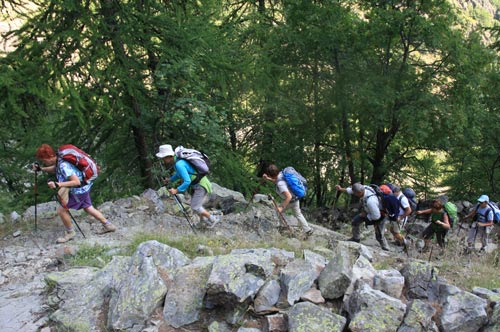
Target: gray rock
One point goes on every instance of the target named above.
(14, 216)
(462, 311)
(82, 293)
(418, 278)
(308, 317)
(418, 317)
(336, 276)
(362, 270)
(317, 261)
(184, 300)
(267, 296)
(230, 281)
(374, 311)
(151, 267)
(154, 198)
(296, 279)
(390, 282)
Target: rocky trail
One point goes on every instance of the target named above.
(27, 255)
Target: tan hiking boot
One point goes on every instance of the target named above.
(68, 235)
(109, 227)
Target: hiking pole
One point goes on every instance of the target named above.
(430, 254)
(281, 217)
(37, 167)
(58, 199)
(255, 192)
(184, 212)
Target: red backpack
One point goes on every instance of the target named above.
(81, 160)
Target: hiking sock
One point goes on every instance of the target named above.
(69, 229)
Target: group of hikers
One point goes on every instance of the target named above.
(381, 205)
(375, 212)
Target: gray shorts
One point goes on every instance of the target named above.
(198, 198)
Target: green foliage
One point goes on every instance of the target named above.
(342, 92)
(219, 245)
(91, 255)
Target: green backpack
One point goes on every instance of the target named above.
(452, 211)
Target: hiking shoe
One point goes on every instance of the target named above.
(109, 227)
(309, 232)
(354, 240)
(385, 248)
(213, 221)
(68, 235)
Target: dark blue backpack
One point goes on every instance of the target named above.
(410, 194)
(295, 181)
(390, 204)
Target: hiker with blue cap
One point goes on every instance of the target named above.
(482, 223)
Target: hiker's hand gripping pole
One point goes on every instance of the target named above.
(281, 217)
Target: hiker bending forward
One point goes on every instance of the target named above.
(370, 214)
(404, 212)
(71, 193)
(482, 216)
(274, 175)
(185, 172)
(440, 224)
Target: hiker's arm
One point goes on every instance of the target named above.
(406, 213)
(73, 181)
(426, 211)
(284, 204)
(489, 217)
(445, 223)
(183, 173)
(338, 187)
(341, 189)
(470, 215)
(48, 169)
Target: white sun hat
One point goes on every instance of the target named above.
(165, 150)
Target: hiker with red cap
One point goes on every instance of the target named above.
(398, 209)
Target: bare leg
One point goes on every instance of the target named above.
(65, 217)
(91, 210)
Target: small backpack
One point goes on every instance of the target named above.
(198, 159)
(295, 182)
(410, 194)
(81, 160)
(452, 212)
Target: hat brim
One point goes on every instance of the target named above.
(163, 155)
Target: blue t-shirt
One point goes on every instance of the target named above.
(64, 170)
